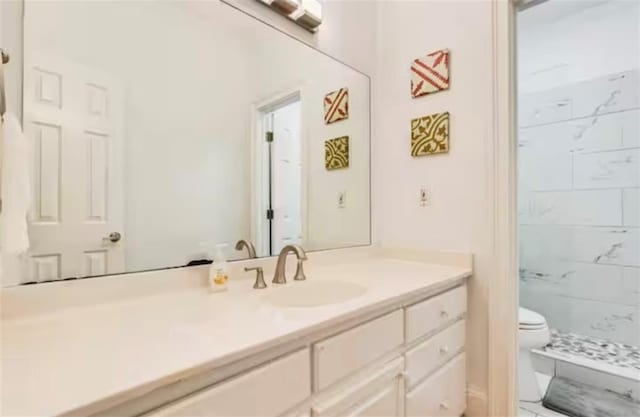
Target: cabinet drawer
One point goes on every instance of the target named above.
(386, 403)
(437, 350)
(441, 395)
(346, 352)
(379, 393)
(269, 390)
(431, 314)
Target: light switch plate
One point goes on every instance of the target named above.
(342, 199)
(423, 197)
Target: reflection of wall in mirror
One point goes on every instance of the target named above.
(329, 224)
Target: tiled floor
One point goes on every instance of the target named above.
(535, 409)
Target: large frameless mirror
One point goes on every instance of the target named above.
(161, 129)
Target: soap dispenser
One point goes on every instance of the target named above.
(219, 270)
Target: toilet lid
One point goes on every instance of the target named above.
(530, 318)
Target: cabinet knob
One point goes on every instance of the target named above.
(444, 405)
(444, 314)
(444, 349)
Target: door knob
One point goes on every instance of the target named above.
(113, 237)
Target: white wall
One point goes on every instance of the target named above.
(579, 168)
(557, 46)
(457, 218)
(348, 31)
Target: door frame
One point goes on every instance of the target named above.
(502, 297)
(259, 163)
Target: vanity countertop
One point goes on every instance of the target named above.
(74, 360)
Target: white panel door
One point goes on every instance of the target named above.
(74, 116)
(286, 177)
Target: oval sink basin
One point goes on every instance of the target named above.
(314, 293)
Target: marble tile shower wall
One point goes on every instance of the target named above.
(579, 212)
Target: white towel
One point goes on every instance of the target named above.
(16, 188)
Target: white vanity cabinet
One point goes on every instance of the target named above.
(409, 361)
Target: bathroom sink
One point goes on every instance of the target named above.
(314, 293)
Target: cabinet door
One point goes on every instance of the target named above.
(269, 390)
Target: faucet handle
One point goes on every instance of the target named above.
(300, 276)
(259, 283)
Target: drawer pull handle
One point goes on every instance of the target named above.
(444, 314)
(444, 349)
(444, 405)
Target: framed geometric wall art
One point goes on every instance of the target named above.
(430, 134)
(336, 106)
(430, 73)
(336, 153)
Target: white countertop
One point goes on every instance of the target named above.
(66, 360)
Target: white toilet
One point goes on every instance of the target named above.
(533, 333)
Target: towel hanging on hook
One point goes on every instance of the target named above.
(3, 100)
(3, 109)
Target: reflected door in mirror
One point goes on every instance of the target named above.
(72, 112)
(284, 176)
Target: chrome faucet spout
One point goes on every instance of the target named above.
(279, 276)
(241, 244)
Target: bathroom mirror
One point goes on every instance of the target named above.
(161, 129)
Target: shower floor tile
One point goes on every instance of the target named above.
(600, 350)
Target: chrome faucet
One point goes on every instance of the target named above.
(241, 244)
(279, 277)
